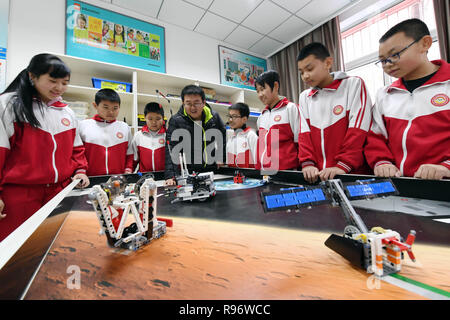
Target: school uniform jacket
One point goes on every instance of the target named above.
(278, 129)
(334, 124)
(108, 146)
(412, 128)
(49, 154)
(241, 148)
(149, 149)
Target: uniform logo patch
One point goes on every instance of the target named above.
(244, 145)
(440, 100)
(277, 118)
(119, 135)
(161, 141)
(65, 122)
(337, 110)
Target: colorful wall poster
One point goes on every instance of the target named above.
(4, 14)
(238, 69)
(100, 34)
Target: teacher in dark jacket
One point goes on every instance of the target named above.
(198, 132)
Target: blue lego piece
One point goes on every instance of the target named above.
(274, 201)
(290, 199)
(370, 189)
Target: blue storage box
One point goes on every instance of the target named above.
(111, 84)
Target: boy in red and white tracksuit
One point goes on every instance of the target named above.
(278, 127)
(335, 118)
(411, 129)
(410, 133)
(241, 144)
(149, 144)
(107, 141)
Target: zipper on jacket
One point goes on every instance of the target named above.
(405, 150)
(106, 161)
(53, 158)
(322, 142)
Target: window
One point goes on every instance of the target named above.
(360, 41)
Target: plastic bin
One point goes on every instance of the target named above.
(111, 84)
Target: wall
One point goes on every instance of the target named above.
(41, 28)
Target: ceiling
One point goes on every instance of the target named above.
(259, 26)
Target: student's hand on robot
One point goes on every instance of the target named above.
(84, 180)
(170, 182)
(2, 206)
(310, 173)
(387, 170)
(432, 172)
(330, 173)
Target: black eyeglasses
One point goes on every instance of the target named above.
(233, 117)
(393, 58)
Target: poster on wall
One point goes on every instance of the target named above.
(4, 13)
(99, 34)
(238, 69)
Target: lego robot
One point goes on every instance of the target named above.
(379, 251)
(193, 186)
(114, 200)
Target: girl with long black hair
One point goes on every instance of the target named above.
(40, 147)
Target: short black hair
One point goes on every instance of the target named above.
(412, 28)
(315, 48)
(269, 77)
(243, 109)
(108, 95)
(154, 107)
(192, 89)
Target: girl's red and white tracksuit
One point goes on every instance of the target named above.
(36, 163)
(412, 128)
(108, 146)
(278, 129)
(241, 148)
(149, 149)
(334, 125)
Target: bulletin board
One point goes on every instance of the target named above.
(239, 69)
(100, 34)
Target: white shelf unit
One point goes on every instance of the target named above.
(144, 86)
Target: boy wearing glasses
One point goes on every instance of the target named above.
(198, 132)
(241, 145)
(410, 133)
(335, 117)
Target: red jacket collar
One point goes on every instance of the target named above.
(283, 102)
(99, 119)
(332, 86)
(53, 103)
(442, 75)
(147, 130)
(239, 131)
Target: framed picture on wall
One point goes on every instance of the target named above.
(239, 69)
(99, 34)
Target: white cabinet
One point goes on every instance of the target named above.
(144, 86)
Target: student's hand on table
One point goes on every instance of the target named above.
(330, 173)
(310, 173)
(128, 170)
(220, 165)
(387, 170)
(432, 172)
(84, 180)
(2, 206)
(170, 182)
